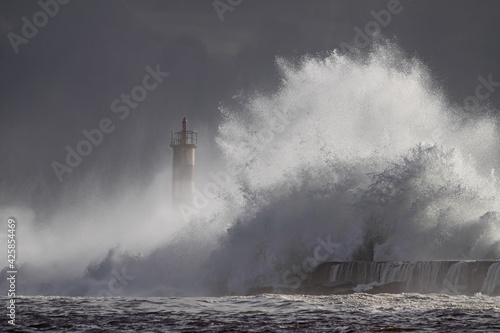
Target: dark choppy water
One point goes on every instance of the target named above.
(262, 313)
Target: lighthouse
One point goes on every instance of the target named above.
(184, 144)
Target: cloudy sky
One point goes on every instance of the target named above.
(62, 77)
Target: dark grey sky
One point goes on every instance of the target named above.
(64, 79)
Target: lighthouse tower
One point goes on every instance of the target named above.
(184, 144)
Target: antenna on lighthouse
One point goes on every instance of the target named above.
(184, 144)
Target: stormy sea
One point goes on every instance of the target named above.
(358, 312)
(353, 197)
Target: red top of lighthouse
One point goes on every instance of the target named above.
(184, 137)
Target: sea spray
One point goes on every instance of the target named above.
(358, 160)
(363, 150)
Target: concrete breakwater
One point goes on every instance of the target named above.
(449, 277)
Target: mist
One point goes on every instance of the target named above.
(364, 154)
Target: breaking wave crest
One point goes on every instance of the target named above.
(352, 158)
